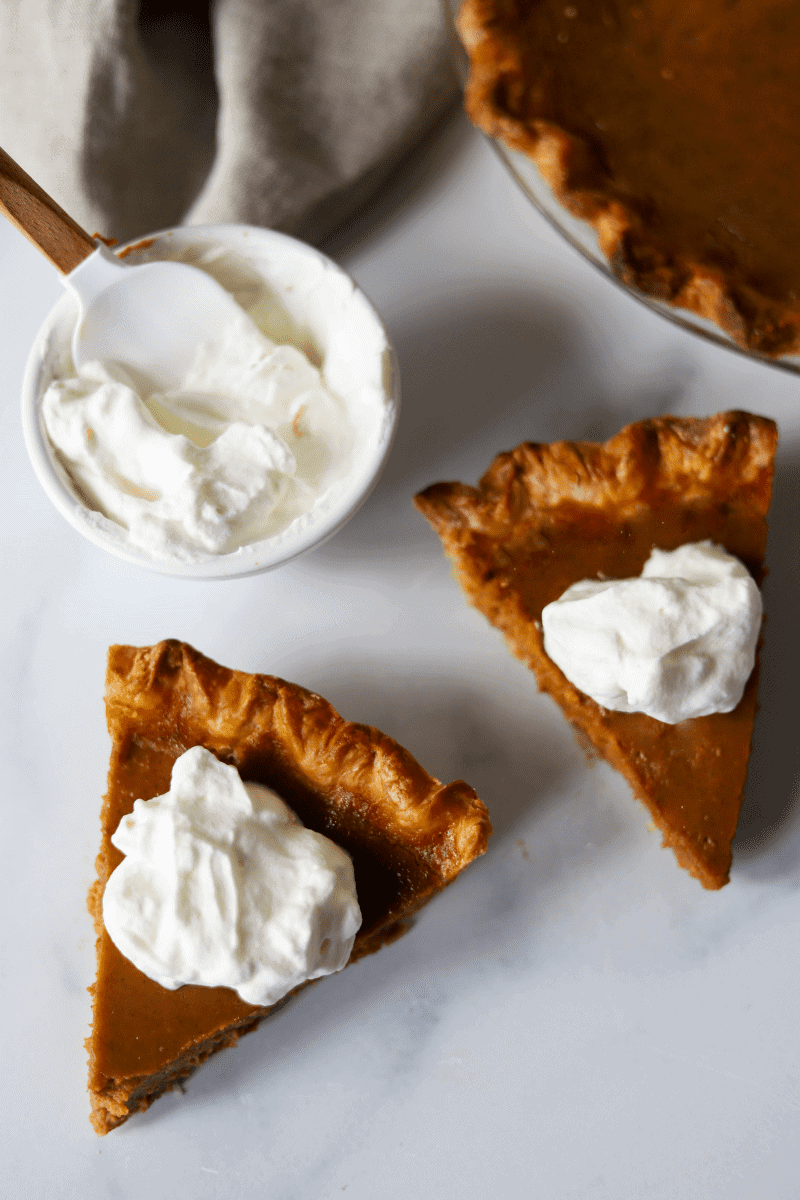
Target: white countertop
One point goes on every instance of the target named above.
(576, 1017)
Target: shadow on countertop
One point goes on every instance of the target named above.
(767, 843)
(481, 373)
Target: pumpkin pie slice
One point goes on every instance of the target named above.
(407, 834)
(546, 516)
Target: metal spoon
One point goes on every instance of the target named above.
(151, 318)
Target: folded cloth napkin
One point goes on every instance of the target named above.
(140, 114)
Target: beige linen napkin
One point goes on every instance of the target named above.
(140, 114)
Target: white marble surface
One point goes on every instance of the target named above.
(575, 1018)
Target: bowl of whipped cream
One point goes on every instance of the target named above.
(268, 446)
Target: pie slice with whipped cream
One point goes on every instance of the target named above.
(407, 834)
(545, 517)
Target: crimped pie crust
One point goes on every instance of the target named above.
(662, 126)
(545, 516)
(408, 834)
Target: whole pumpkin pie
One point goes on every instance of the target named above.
(672, 126)
(407, 834)
(544, 517)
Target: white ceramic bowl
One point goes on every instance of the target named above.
(309, 301)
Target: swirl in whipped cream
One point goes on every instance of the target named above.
(677, 642)
(223, 886)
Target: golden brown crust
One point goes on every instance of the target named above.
(544, 517)
(408, 834)
(727, 457)
(513, 91)
(171, 687)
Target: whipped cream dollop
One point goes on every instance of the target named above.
(223, 886)
(677, 642)
(250, 440)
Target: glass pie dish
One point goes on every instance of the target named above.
(583, 237)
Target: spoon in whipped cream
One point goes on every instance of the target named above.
(149, 318)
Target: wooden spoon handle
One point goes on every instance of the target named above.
(41, 220)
